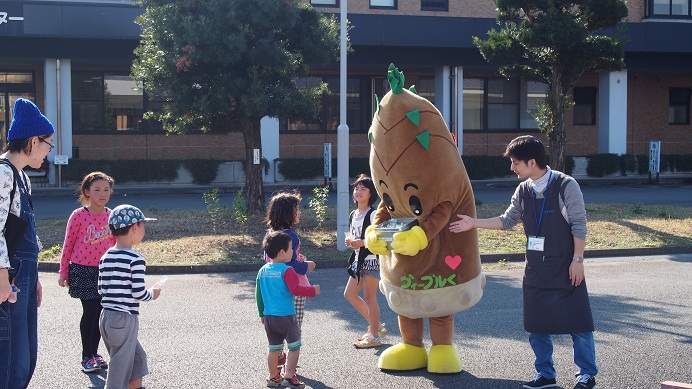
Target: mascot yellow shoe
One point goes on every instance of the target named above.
(444, 359)
(403, 357)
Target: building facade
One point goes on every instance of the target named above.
(73, 59)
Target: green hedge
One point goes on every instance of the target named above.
(478, 167)
(602, 164)
(481, 167)
(203, 170)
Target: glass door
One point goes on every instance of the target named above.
(6, 103)
(13, 85)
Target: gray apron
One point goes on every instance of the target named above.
(551, 304)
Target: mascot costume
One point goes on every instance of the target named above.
(426, 271)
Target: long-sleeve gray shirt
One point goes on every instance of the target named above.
(572, 208)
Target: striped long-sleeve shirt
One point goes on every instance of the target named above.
(121, 280)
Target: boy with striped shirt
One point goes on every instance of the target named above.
(121, 285)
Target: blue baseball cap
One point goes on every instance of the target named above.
(126, 215)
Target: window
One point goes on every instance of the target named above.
(474, 103)
(328, 115)
(434, 5)
(16, 78)
(532, 93)
(380, 88)
(584, 110)
(124, 105)
(324, 3)
(499, 105)
(679, 108)
(503, 104)
(671, 8)
(109, 102)
(383, 4)
(426, 88)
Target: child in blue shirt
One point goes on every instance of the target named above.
(276, 285)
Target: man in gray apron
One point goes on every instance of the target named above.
(551, 207)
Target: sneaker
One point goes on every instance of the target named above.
(585, 381)
(102, 362)
(383, 331)
(293, 382)
(368, 342)
(540, 382)
(282, 358)
(89, 365)
(274, 382)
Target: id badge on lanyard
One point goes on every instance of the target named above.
(536, 243)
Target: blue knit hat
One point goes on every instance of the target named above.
(27, 121)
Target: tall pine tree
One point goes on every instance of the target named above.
(555, 42)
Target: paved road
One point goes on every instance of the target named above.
(61, 205)
(204, 332)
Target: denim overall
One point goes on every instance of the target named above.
(18, 321)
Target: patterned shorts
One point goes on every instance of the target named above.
(83, 282)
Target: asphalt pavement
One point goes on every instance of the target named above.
(204, 332)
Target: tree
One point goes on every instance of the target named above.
(555, 42)
(223, 65)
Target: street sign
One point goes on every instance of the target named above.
(327, 160)
(60, 160)
(654, 156)
(255, 156)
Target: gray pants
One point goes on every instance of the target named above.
(128, 361)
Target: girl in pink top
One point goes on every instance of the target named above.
(87, 238)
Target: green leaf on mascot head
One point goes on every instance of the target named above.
(377, 103)
(370, 135)
(414, 116)
(396, 79)
(424, 139)
(412, 89)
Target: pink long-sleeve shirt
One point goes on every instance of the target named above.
(87, 238)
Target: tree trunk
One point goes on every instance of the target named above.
(253, 172)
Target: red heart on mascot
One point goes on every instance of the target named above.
(453, 262)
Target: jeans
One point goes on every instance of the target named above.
(18, 330)
(18, 321)
(584, 353)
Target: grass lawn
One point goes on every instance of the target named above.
(192, 237)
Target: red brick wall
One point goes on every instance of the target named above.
(647, 111)
(160, 146)
(635, 9)
(468, 8)
(312, 145)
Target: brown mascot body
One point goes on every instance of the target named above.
(430, 272)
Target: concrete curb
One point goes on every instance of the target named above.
(331, 264)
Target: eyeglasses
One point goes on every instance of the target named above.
(52, 146)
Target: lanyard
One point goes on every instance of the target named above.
(545, 196)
